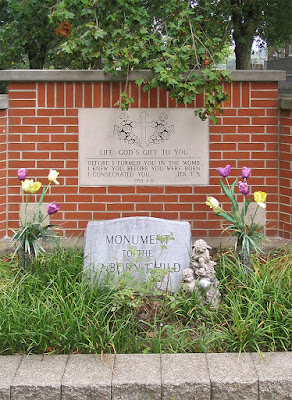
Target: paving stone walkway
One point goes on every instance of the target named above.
(227, 376)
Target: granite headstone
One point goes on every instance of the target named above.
(135, 243)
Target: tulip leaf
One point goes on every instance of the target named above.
(42, 196)
(230, 193)
(226, 216)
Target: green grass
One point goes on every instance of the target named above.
(55, 310)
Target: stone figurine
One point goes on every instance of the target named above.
(200, 275)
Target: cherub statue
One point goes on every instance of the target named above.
(201, 274)
(189, 279)
(201, 261)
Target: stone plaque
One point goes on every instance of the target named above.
(165, 146)
(134, 243)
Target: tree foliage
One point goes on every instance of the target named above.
(270, 20)
(169, 38)
(27, 39)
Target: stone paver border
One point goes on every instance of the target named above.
(226, 376)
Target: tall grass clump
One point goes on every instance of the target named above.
(54, 309)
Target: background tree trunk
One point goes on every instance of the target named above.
(242, 55)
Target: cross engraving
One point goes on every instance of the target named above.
(144, 126)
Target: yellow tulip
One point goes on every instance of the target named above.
(53, 175)
(213, 203)
(29, 186)
(260, 198)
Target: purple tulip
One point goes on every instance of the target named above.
(53, 208)
(243, 188)
(245, 173)
(224, 171)
(22, 173)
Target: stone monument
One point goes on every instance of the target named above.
(136, 243)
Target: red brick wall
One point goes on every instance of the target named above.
(285, 218)
(3, 146)
(43, 134)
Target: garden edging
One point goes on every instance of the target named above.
(147, 376)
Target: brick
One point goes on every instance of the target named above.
(22, 112)
(88, 95)
(264, 94)
(106, 215)
(72, 112)
(223, 146)
(64, 138)
(251, 146)
(149, 189)
(135, 89)
(96, 94)
(245, 102)
(227, 88)
(134, 214)
(166, 215)
(120, 207)
(49, 146)
(162, 95)
(64, 121)
(69, 97)
(149, 207)
(200, 100)
(178, 189)
(106, 94)
(272, 113)
(91, 207)
(50, 129)
(104, 198)
(264, 103)
(22, 95)
(50, 164)
(178, 207)
(236, 94)
(36, 120)
(14, 121)
(223, 129)
(78, 95)
(144, 97)
(41, 112)
(71, 147)
(265, 121)
(229, 112)
(164, 198)
(21, 86)
(249, 112)
(153, 97)
(135, 198)
(236, 121)
(21, 103)
(264, 85)
(125, 189)
(72, 129)
(22, 129)
(50, 94)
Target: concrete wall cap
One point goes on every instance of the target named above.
(3, 101)
(285, 102)
(37, 75)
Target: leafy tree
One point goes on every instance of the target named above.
(26, 37)
(168, 37)
(247, 19)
